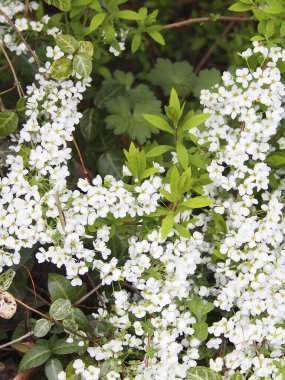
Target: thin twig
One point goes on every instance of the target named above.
(26, 12)
(16, 340)
(34, 55)
(8, 90)
(84, 169)
(213, 47)
(199, 20)
(16, 80)
(88, 294)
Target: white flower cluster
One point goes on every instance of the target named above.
(246, 112)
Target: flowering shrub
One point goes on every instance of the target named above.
(181, 243)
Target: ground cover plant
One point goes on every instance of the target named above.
(141, 190)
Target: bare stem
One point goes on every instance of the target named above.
(88, 294)
(199, 20)
(16, 80)
(16, 340)
(84, 169)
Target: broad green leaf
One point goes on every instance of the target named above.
(240, 7)
(157, 37)
(89, 124)
(206, 80)
(35, 357)
(167, 225)
(159, 123)
(79, 318)
(96, 21)
(8, 123)
(82, 64)
(159, 150)
(52, 368)
(183, 231)
(60, 309)
(6, 279)
(61, 347)
(167, 195)
(61, 68)
(178, 75)
(21, 106)
(42, 327)
(136, 41)
(219, 222)
(274, 7)
(110, 163)
(127, 15)
(282, 29)
(202, 373)
(67, 43)
(148, 172)
(201, 330)
(174, 100)
(193, 121)
(182, 154)
(85, 47)
(237, 376)
(198, 202)
(63, 5)
(276, 158)
(60, 287)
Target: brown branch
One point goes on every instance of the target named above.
(16, 340)
(94, 290)
(16, 80)
(84, 169)
(213, 47)
(34, 55)
(199, 20)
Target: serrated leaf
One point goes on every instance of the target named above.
(42, 327)
(157, 37)
(202, 373)
(6, 279)
(82, 64)
(35, 357)
(167, 225)
(52, 368)
(85, 47)
(67, 43)
(8, 123)
(63, 5)
(110, 163)
(60, 309)
(178, 75)
(159, 150)
(60, 287)
(182, 154)
(61, 68)
(96, 21)
(159, 122)
(197, 202)
(206, 80)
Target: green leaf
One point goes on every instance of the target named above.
(159, 123)
(282, 29)
(61, 68)
(127, 15)
(182, 154)
(61, 347)
(79, 318)
(110, 163)
(276, 158)
(96, 21)
(167, 195)
(201, 330)
(274, 7)
(85, 47)
(168, 75)
(159, 150)
(237, 376)
(67, 43)
(89, 124)
(63, 5)
(174, 100)
(82, 64)
(42, 327)
(183, 231)
(136, 41)
(198, 307)
(126, 113)
(219, 222)
(206, 80)
(174, 182)
(202, 373)
(52, 368)
(198, 202)
(8, 123)
(167, 225)
(60, 309)
(240, 7)
(35, 357)
(193, 121)
(157, 37)
(6, 279)
(148, 172)
(60, 287)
